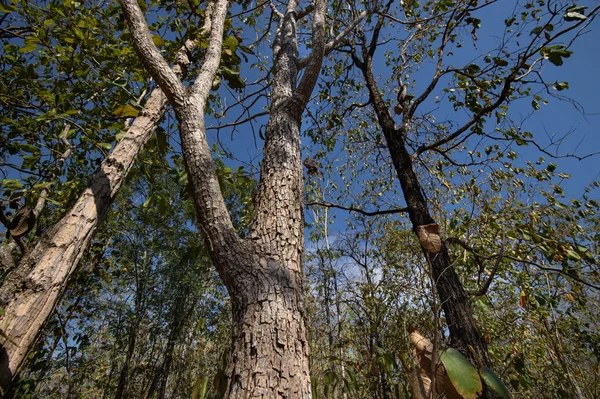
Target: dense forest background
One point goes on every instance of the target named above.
(503, 154)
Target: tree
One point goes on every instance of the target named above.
(415, 139)
(31, 290)
(262, 265)
(263, 273)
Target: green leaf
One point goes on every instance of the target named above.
(555, 54)
(10, 183)
(200, 388)
(30, 148)
(230, 43)
(7, 8)
(492, 380)
(500, 62)
(573, 255)
(575, 13)
(560, 86)
(462, 374)
(126, 111)
(158, 41)
(537, 30)
(106, 146)
(29, 162)
(535, 105)
(28, 48)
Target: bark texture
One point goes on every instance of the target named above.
(264, 273)
(30, 293)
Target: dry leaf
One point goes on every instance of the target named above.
(429, 237)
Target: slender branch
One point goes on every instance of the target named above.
(305, 11)
(358, 210)
(484, 288)
(313, 69)
(204, 81)
(525, 261)
(237, 123)
(551, 269)
(335, 41)
(41, 202)
(506, 87)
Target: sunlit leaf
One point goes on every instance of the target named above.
(461, 373)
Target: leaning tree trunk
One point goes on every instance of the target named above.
(464, 331)
(30, 293)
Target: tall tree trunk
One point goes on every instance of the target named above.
(30, 293)
(455, 302)
(263, 274)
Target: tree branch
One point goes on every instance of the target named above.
(204, 81)
(154, 62)
(358, 210)
(313, 69)
(335, 41)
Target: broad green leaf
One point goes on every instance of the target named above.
(30, 148)
(200, 388)
(28, 48)
(575, 13)
(535, 105)
(560, 86)
(462, 374)
(230, 43)
(126, 111)
(158, 41)
(555, 54)
(13, 184)
(495, 383)
(573, 255)
(30, 161)
(574, 16)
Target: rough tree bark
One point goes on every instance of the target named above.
(264, 273)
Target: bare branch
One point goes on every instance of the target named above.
(358, 210)
(204, 81)
(335, 41)
(313, 69)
